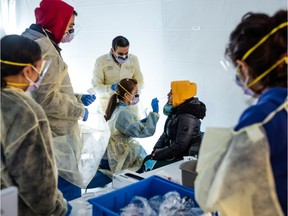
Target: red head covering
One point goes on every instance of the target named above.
(54, 16)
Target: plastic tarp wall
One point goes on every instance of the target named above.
(173, 39)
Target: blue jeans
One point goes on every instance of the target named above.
(69, 190)
(99, 180)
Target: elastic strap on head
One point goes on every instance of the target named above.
(14, 63)
(17, 84)
(117, 94)
(124, 89)
(284, 59)
(282, 25)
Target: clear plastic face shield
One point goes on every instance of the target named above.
(43, 69)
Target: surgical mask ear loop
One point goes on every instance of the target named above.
(246, 84)
(246, 89)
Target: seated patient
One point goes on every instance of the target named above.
(182, 135)
(123, 151)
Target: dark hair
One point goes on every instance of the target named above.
(119, 41)
(75, 13)
(18, 49)
(124, 84)
(252, 28)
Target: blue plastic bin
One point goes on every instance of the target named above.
(111, 203)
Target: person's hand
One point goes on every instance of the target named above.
(153, 153)
(113, 86)
(87, 99)
(86, 113)
(155, 105)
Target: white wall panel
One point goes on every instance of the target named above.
(173, 39)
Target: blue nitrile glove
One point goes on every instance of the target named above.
(143, 120)
(86, 113)
(113, 86)
(155, 105)
(87, 99)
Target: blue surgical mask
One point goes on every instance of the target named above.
(168, 108)
(149, 164)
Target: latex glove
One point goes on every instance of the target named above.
(113, 86)
(86, 113)
(87, 99)
(155, 105)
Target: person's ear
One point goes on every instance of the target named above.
(244, 68)
(126, 95)
(26, 71)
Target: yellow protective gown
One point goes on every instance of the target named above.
(27, 159)
(123, 151)
(62, 108)
(234, 172)
(107, 72)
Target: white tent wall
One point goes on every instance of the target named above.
(173, 39)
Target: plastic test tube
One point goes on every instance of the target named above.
(91, 91)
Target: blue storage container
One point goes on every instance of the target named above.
(110, 204)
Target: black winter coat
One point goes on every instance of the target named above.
(181, 130)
